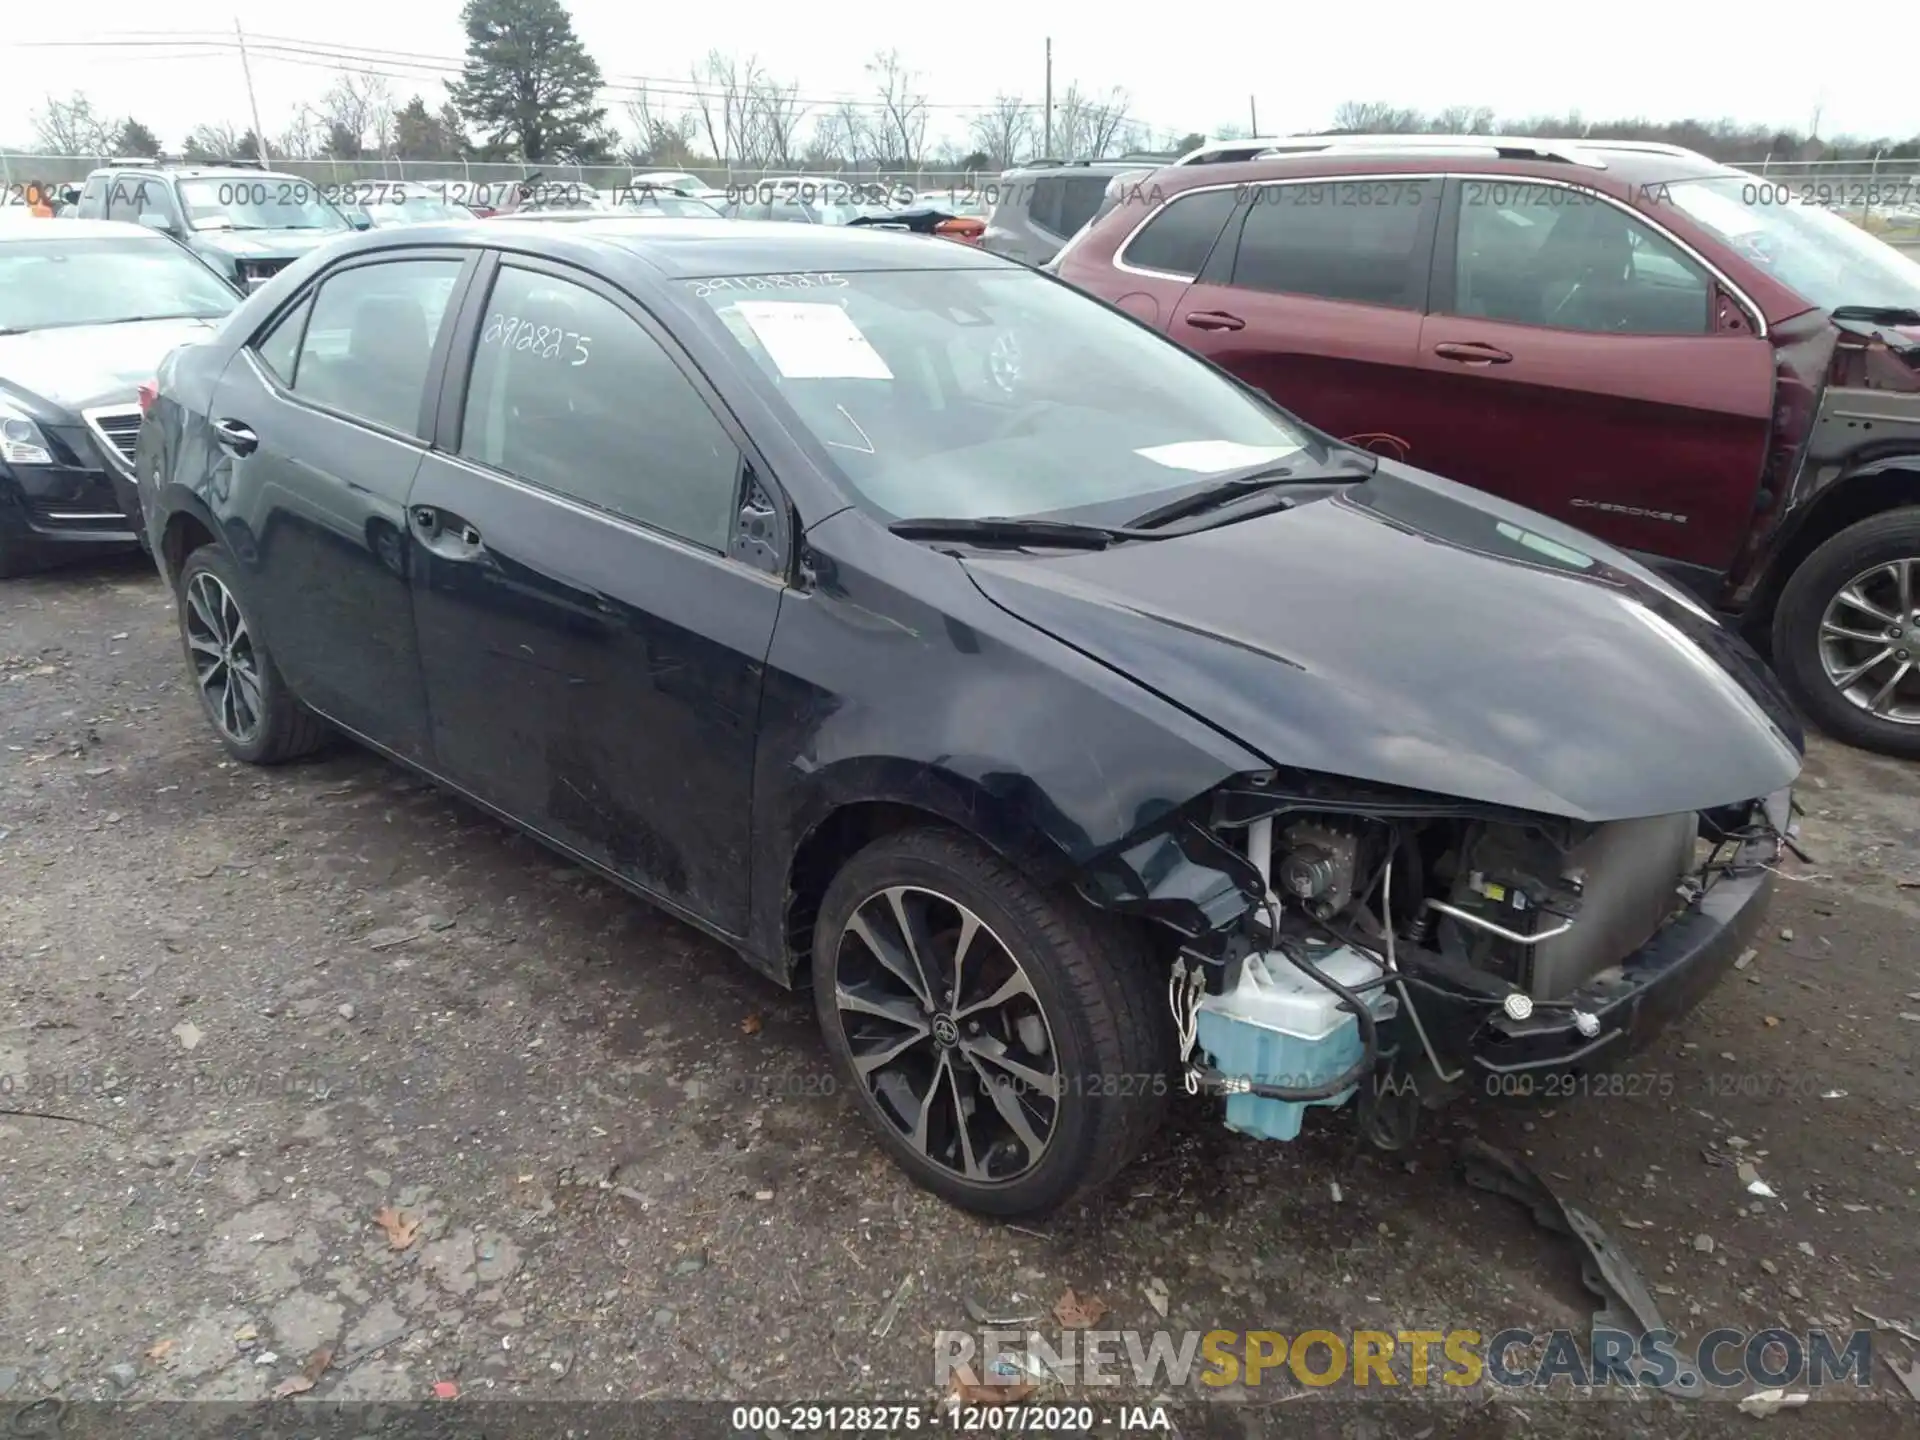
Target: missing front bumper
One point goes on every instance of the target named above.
(1656, 985)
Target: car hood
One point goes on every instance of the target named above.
(75, 366)
(267, 244)
(1409, 631)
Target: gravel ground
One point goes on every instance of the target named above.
(348, 1066)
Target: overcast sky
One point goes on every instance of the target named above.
(1298, 63)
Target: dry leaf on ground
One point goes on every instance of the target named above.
(309, 1375)
(400, 1228)
(969, 1391)
(1076, 1312)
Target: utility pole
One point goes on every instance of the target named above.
(253, 104)
(1046, 124)
(1253, 116)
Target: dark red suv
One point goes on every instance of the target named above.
(1693, 363)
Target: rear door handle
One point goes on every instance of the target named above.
(236, 438)
(1471, 352)
(1215, 320)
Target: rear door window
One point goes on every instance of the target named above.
(1367, 242)
(369, 342)
(1178, 239)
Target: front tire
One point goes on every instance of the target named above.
(1846, 634)
(241, 691)
(1011, 1047)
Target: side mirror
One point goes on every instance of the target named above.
(360, 221)
(154, 221)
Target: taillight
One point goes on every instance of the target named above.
(966, 229)
(148, 391)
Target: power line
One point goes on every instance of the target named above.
(413, 65)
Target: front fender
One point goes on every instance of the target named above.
(895, 681)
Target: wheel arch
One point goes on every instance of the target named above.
(189, 525)
(853, 809)
(1891, 482)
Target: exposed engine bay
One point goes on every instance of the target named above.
(1398, 959)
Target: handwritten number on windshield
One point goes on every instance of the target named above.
(549, 342)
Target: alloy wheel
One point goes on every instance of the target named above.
(947, 1034)
(1870, 641)
(224, 661)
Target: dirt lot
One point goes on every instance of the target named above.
(273, 1005)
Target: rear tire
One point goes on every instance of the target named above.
(241, 690)
(1047, 1094)
(1865, 559)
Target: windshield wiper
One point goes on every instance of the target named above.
(1878, 314)
(1240, 483)
(1013, 530)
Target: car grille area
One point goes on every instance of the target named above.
(116, 432)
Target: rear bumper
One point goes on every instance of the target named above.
(1634, 1001)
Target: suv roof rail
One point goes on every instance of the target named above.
(1519, 147)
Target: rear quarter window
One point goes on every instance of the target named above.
(1178, 240)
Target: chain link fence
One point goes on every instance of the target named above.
(18, 169)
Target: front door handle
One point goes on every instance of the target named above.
(1215, 320)
(236, 438)
(1471, 352)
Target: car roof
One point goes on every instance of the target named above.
(192, 172)
(687, 249)
(44, 229)
(1628, 162)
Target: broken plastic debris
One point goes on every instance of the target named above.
(1766, 1402)
(996, 1319)
(445, 1390)
(887, 1316)
(1834, 1095)
(1750, 1177)
(1156, 1292)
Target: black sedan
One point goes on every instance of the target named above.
(87, 310)
(1083, 728)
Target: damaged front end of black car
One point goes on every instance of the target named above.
(1346, 943)
(1527, 822)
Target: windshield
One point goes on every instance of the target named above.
(257, 203)
(1822, 256)
(415, 207)
(968, 393)
(665, 202)
(56, 282)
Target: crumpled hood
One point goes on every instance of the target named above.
(76, 366)
(1409, 631)
(267, 244)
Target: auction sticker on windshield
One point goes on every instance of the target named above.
(1206, 456)
(811, 341)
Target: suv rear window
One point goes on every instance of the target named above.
(1178, 239)
(1359, 241)
(1063, 203)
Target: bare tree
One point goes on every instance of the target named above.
(749, 117)
(901, 122)
(1004, 131)
(1375, 117)
(1463, 120)
(848, 134)
(73, 127)
(664, 134)
(302, 136)
(1088, 127)
(213, 143)
(358, 108)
